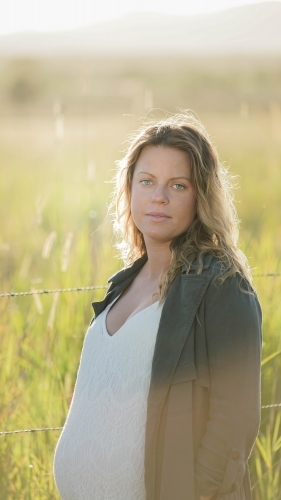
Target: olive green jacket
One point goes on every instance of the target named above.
(203, 409)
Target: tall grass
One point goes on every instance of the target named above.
(55, 232)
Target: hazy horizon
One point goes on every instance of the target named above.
(57, 15)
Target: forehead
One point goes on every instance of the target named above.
(163, 159)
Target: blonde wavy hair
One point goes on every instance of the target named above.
(215, 227)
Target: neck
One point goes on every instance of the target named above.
(158, 259)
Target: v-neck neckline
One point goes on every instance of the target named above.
(104, 327)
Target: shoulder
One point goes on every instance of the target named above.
(228, 293)
(228, 319)
(128, 271)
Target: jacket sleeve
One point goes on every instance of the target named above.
(233, 336)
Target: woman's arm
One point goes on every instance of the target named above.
(233, 335)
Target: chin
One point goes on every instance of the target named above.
(158, 238)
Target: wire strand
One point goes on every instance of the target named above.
(56, 290)
(277, 405)
(44, 429)
(102, 287)
(267, 275)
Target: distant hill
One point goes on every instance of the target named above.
(248, 29)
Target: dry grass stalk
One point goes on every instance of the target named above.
(48, 245)
(38, 302)
(52, 314)
(66, 251)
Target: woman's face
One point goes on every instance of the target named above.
(163, 200)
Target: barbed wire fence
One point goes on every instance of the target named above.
(94, 287)
(82, 289)
(45, 429)
(55, 290)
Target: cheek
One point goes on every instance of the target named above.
(189, 204)
(193, 207)
(188, 211)
(193, 202)
(135, 204)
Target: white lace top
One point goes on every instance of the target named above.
(100, 453)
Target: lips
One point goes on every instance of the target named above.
(158, 216)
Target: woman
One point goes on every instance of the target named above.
(167, 399)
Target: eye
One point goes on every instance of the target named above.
(146, 182)
(179, 186)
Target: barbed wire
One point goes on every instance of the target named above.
(40, 429)
(277, 405)
(56, 290)
(267, 275)
(94, 287)
(44, 429)
(81, 289)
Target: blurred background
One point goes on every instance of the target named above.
(75, 79)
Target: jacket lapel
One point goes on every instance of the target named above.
(118, 283)
(178, 313)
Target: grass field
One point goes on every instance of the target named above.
(62, 126)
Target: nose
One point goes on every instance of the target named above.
(159, 195)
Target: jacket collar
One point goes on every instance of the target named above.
(118, 283)
(122, 279)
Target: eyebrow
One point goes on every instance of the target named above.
(171, 179)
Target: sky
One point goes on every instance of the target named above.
(53, 15)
